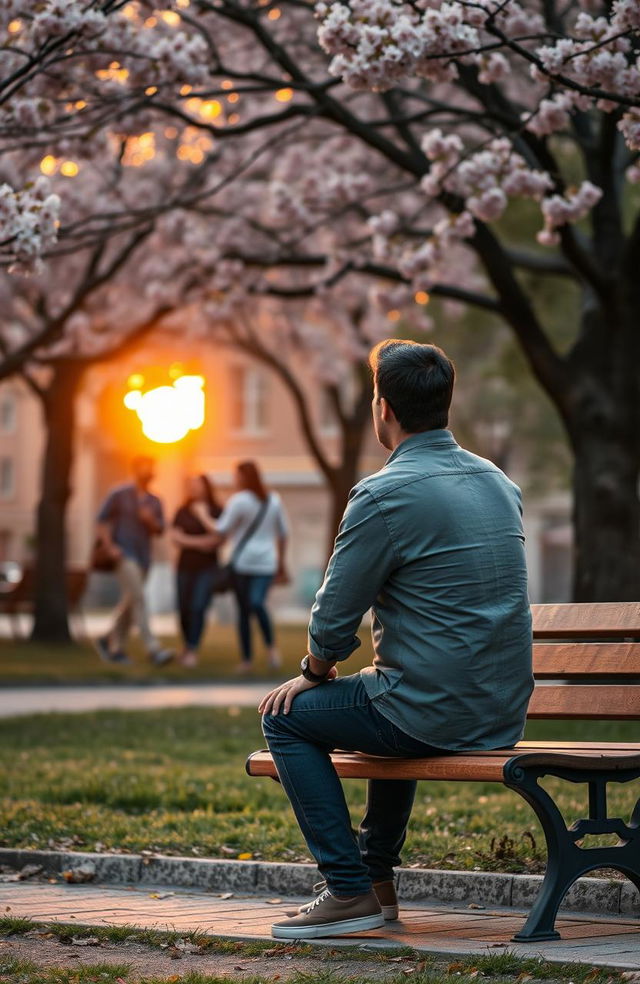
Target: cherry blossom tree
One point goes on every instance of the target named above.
(403, 162)
(543, 105)
(83, 307)
(55, 375)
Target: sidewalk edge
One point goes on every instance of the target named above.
(471, 888)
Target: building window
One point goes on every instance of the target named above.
(249, 400)
(7, 480)
(8, 413)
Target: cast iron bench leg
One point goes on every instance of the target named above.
(566, 861)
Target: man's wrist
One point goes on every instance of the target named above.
(309, 674)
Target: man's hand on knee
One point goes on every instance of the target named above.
(282, 697)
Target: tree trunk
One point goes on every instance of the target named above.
(605, 434)
(606, 521)
(51, 622)
(354, 429)
(345, 477)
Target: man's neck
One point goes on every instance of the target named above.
(398, 439)
(402, 436)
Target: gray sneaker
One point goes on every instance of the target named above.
(105, 654)
(329, 916)
(162, 657)
(385, 892)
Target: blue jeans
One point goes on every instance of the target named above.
(194, 596)
(339, 714)
(251, 592)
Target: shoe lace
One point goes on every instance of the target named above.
(320, 899)
(319, 887)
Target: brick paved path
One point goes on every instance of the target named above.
(442, 929)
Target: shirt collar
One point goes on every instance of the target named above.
(426, 439)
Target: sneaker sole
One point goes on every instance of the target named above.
(109, 660)
(390, 912)
(358, 925)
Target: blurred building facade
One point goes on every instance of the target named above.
(249, 414)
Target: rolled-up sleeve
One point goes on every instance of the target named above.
(362, 560)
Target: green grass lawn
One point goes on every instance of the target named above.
(308, 965)
(173, 781)
(327, 968)
(23, 662)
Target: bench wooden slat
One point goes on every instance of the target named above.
(588, 747)
(350, 765)
(604, 620)
(611, 703)
(460, 767)
(578, 659)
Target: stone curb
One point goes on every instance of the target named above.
(487, 889)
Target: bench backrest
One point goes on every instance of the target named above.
(23, 593)
(586, 661)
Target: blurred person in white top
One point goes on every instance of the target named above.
(259, 561)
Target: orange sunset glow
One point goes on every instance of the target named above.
(167, 413)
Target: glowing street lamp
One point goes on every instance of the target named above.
(168, 413)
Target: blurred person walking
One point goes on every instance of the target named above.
(197, 562)
(255, 522)
(128, 519)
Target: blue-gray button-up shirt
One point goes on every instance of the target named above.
(120, 509)
(433, 544)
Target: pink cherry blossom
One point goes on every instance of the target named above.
(558, 210)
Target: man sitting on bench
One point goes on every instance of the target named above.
(433, 543)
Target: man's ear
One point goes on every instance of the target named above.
(386, 412)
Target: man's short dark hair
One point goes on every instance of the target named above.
(416, 381)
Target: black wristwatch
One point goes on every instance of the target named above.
(308, 674)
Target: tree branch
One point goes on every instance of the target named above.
(254, 347)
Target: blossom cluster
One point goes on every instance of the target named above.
(486, 179)
(299, 196)
(559, 210)
(376, 44)
(600, 54)
(60, 18)
(61, 105)
(324, 206)
(28, 221)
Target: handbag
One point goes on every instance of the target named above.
(101, 558)
(225, 578)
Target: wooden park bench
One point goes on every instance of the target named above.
(19, 598)
(586, 662)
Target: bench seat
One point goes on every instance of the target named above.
(469, 766)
